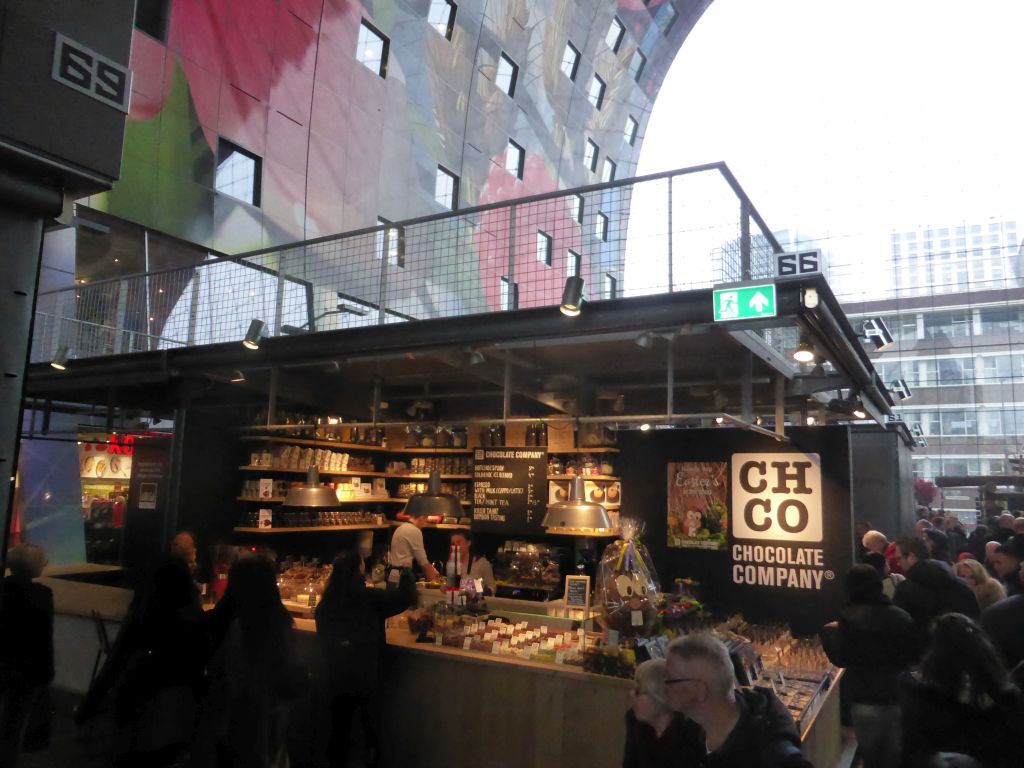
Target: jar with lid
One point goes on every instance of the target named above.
(458, 437)
(498, 435)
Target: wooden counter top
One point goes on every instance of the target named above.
(81, 598)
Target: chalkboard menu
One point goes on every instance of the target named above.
(510, 490)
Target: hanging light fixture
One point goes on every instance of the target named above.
(433, 501)
(237, 377)
(577, 512)
(572, 296)
(60, 360)
(254, 334)
(645, 340)
(804, 353)
(312, 495)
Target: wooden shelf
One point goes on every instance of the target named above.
(439, 526)
(610, 478)
(345, 473)
(602, 449)
(373, 500)
(600, 533)
(432, 451)
(318, 443)
(314, 528)
(427, 477)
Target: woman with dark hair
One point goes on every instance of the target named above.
(350, 629)
(961, 701)
(875, 641)
(256, 671)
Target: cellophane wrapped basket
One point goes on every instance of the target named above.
(627, 585)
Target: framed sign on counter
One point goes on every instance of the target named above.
(577, 597)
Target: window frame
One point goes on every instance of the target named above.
(382, 67)
(442, 171)
(609, 170)
(573, 263)
(597, 100)
(632, 130)
(395, 239)
(513, 76)
(257, 185)
(449, 26)
(575, 67)
(514, 146)
(545, 247)
(637, 71)
(590, 147)
(616, 44)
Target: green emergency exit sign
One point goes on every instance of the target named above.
(748, 302)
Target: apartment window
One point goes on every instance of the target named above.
(544, 244)
(576, 204)
(608, 172)
(667, 18)
(590, 153)
(596, 94)
(238, 173)
(442, 17)
(151, 18)
(609, 287)
(573, 263)
(390, 242)
(632, 127)
(446, 188)
(515, 159)
(508, 73)
(615, 34)
(372, 49)
(601, 227)
(637, 64)
(570, 61)
(509, 293)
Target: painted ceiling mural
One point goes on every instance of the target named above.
(341, 146)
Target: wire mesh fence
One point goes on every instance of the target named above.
(667, 232)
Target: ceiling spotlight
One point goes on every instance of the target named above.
(877, 333)
(253, 335)
(850, 407)
(758, 420)
(60, 360)
(719, 419)
(804, 353)
(645, 427)
(811, 421)
(572, 296)
(474, 357)
(645, 340)
(901, 389)
(237, 377)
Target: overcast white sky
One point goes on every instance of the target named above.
(848, 119)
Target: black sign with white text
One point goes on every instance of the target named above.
(510, 490)
(91, 73)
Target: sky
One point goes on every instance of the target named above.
(848, 120)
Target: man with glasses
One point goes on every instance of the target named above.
(739, 727)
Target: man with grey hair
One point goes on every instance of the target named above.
(740, 727)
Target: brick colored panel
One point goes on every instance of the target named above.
(294, 65)
(242, 119)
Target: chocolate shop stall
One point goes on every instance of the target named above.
(643, 407)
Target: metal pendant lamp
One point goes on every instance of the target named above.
(312, 495)
(433, 502)
(577, 512)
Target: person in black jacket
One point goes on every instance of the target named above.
(1007, 563)
(656, 736)
(746, 727)
(931, 588)
(962, 701)
(350, 630)
(26, 646)
(875, 641)
(1004, 624)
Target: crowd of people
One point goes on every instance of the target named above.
(931, 638)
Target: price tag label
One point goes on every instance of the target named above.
(467, 644)
(559, 657)
(438, 639)
(638, 618)
(535, 648)
(496, 648)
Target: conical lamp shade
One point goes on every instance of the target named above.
(577, 512)
(312, 494)
(433, 502)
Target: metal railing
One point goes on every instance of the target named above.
(666, 232)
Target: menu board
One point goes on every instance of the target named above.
(510, 490)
